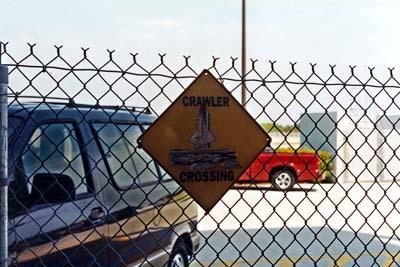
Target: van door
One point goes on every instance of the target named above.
(59, 231)
(133, 234)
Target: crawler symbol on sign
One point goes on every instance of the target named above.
(203, 157)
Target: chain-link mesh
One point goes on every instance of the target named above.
(83, 194)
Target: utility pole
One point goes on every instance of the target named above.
(244, 98)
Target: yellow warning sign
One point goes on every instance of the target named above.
(205, 140)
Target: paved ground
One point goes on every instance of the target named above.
(313, 225)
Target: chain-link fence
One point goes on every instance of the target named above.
(81, 192)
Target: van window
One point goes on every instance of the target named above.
(54, 148)
(128, 164)
(163, 174)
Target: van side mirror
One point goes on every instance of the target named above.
(52, 188)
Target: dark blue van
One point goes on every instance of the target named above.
(82, 193)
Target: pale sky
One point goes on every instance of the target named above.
(349, 32)
(342, 32)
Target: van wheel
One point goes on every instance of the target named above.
(179, 256)
(283, 180)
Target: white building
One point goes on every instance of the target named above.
(285, 140)
(390, 130)
(363, 148)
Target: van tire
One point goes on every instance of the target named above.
(179, 256)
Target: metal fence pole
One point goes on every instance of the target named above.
(3, 166)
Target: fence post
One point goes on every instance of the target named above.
(3, 166)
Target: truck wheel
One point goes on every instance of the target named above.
(283, 180)
(179, 256)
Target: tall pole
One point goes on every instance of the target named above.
(3, 167)
(244, 98)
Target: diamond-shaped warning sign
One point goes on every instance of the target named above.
(205, 140)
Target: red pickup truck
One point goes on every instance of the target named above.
(283, 170)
